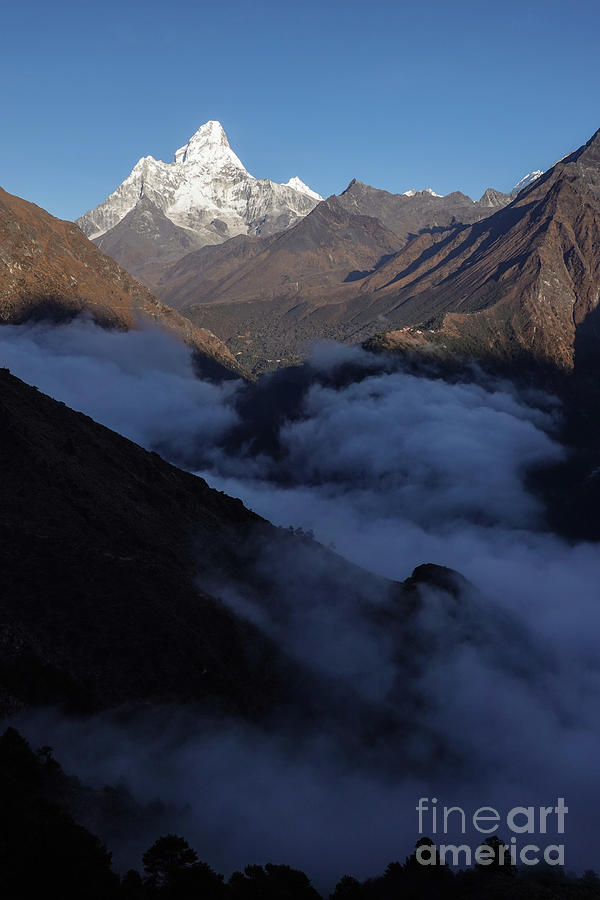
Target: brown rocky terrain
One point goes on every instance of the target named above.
(148, 244)
(521, 283)
(281, 278)
(327, 248)
(524, 282)
(269, 297)
(407, 215)
(145, 242)
(258, 292)
(49, 268)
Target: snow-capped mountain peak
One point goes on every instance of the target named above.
(205, 190)
(209, 148)
(298, 185)
(412, 192)
(526, 180)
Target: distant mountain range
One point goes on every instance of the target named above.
(205, 196)
(524, 282)
(268, 268)
(506, 276)
(163, 211)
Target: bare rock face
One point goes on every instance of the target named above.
(415, 211)
(205, 196)
(269, 297)
(524, 282)
(49, 268)
(261, 293)
(328, 247)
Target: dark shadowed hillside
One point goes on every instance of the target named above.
(99, 601)
(112, 562)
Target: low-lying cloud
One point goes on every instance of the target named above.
(139, 383)
(393, 468)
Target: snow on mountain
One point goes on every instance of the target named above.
(526, 180)
(207, 190)
(209, 148)
(412, 192)
(299, 185)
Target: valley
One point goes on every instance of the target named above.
(299, 525)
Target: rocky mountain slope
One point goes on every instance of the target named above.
(99, 604)
(525, 281)
(403, 214)
(520, 282)
(256, 292)
(113, 562)
(205, 196)
(411, 213)
(328, 247)
(310, 254)
(49, 268)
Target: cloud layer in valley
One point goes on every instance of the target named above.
(394, 468)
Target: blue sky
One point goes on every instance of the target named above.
(456, 95)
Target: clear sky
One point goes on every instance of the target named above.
(456, 95)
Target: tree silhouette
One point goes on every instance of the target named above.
(347, 888)
(167, 858)
(272, 882)
(132, 886)
(501, 859)
(43, 852)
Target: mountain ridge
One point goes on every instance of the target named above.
(529, 274)
(412, 212)
(206, 191)
(517, 282)
(206, 196)
(114, 562)
(48, 268)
